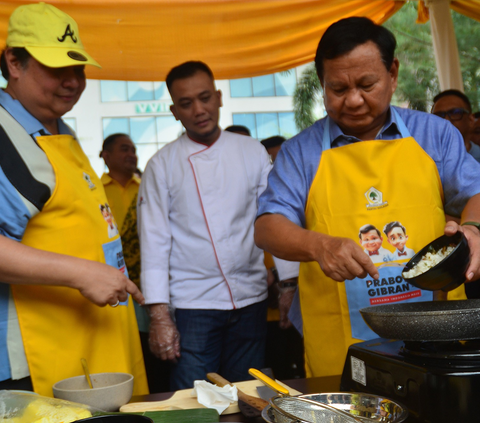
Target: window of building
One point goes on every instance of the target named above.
(263, 86)
(115, 125)
(265, 125)
(148, 133)
(72, 122)
(285, 83)
(161, 91)
(139, 91)
(275, 85)
(112, 91)
(241, 87)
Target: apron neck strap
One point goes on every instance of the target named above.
(326, 142)
(404, 132)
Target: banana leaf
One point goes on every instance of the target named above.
(196, 415)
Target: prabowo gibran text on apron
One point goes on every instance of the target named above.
(59, 326)
(387, 196)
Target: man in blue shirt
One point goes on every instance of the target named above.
(455, 106)
(328, 181)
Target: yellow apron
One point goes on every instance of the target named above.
(59, 326)
(366, 183)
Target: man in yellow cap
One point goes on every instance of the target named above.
(55, 222)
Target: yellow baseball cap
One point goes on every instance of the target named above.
(49, 35)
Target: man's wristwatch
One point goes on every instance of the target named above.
(476, 224)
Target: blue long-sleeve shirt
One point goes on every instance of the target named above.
(297, 163)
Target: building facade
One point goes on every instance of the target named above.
(142, 110)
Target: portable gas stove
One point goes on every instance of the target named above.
(438, 382)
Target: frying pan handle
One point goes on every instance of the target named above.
(257, 374)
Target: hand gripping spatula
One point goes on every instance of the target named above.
(249, 406)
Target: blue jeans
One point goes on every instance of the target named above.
(227, 342)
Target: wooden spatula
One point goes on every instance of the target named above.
(249, 406)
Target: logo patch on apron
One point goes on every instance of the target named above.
(88, 180)
(375, 199)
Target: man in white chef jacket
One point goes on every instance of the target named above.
(202, 275)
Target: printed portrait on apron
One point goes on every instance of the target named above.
(111, 223)
(388, 251)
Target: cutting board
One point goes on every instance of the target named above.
(183, 400)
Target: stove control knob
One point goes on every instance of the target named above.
(400, 388)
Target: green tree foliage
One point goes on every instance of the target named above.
(418, 81)
(307, 93)
(467, 31)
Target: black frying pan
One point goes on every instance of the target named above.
(425, 321)
(117, 418)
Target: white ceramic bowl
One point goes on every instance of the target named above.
(110, 390)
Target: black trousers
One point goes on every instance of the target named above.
(24, 384)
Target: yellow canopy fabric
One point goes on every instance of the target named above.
(470, 8)
(423, 15)
(143, 39)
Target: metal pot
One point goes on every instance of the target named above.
(426, 321)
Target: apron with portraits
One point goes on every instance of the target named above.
(387, 197)
(59, 326)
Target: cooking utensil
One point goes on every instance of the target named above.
(367, 407)
(288, 409)
(301, 410)
(449, 273)
(265, 392)
(426, 321)
(87, 373)
(268, 381)
(249, 406)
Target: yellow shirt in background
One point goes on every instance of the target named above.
(273, 314)
(119, 197)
